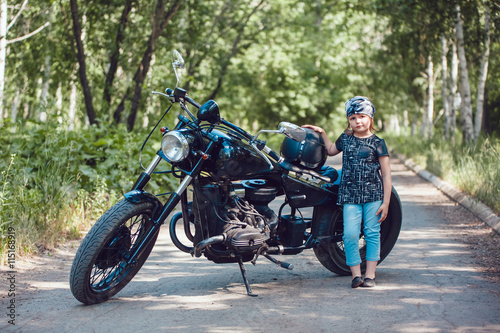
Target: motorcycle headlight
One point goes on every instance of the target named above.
(175, 146)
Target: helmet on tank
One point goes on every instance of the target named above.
(310, 153)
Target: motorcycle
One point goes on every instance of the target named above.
(232, 177)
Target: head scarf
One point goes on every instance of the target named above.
(359, 105)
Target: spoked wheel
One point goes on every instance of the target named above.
(332, 255)
(101, 267)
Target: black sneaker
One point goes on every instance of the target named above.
(368, 283)
(356, 282)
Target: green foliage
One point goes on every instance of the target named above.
(55, 182)
(473, 169)
(262, 61)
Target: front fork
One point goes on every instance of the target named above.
(146, 175)
(138, 195)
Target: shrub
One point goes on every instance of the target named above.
(54, 182)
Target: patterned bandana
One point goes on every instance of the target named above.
(359, 105)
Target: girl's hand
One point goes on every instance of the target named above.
(315, 128)
(383, 211)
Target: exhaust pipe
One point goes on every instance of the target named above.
(207, 242)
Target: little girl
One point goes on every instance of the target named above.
(364, 192)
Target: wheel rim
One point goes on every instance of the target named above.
(110, 266)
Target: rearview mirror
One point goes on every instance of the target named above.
(177, 63)
(292, 131)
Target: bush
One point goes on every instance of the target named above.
(54, 182)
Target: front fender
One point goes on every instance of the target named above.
(138, 196)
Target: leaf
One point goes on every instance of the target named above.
(100, 143)
(86, 170)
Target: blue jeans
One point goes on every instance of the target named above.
(353, 214)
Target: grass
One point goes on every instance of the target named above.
(472, 168)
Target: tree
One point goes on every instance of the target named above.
(82, 68)
(161, 19)
(115, 55)
(466, 105)
(4, 29)
(483, 72)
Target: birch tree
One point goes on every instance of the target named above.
(444, 90)
(4, 29)
(453, 97)
(483, 72)
(466, 105)
(430, 97)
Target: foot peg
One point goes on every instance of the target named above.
(279, 263)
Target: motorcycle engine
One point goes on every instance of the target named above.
(249, 220)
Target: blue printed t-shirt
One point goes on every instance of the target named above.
(361, 181)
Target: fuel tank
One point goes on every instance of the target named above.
(234, 159)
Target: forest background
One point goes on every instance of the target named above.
(76, 79)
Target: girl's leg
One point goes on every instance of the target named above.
(370, 269)
(371, 230)
(355, 270)
(352, 225)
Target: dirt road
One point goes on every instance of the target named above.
(431, 282)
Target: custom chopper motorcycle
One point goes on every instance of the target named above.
(228, 178)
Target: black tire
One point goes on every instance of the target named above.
(100, 269)
(331, 254)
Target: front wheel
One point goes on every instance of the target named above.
(330, 226)
(101, 267)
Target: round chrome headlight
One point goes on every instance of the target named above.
(175, 146)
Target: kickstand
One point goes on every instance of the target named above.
(245, 280)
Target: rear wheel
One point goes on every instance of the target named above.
(101, 267)
(331, 253)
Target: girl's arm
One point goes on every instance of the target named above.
(331, 149)
(385, 167)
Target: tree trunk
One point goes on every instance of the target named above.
(58, 104)
(425, 121)
(15, 106)
(114, 57)
(82, 70)
(453, 98)
(430, 97)
(72, 106)
(159, 24)
(413, 125)
(45, 88)
(444, 90)
(405, 122)
(466, 105)
(3, 51)
(483, 72)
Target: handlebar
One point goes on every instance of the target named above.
(192, 102)
(178, 94)
(236, 129)
(181, 93)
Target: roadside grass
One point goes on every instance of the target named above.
(472, 168)
(55, 183)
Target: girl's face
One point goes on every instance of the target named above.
(360, 124)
